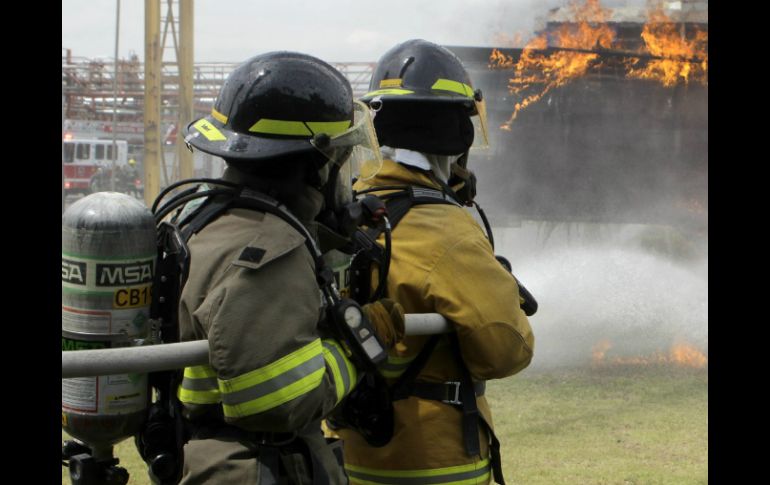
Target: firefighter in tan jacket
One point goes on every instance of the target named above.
(253, 289)
(441, 262)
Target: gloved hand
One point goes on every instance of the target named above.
(387, 318)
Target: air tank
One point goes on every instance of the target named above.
(108, 260)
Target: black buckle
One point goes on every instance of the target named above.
(456, 400)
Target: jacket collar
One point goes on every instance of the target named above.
(394, 173)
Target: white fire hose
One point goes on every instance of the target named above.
(152, 358)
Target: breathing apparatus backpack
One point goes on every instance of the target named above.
(161, 440)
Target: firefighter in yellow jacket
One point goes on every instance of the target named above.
(253, 290)
(441, 262)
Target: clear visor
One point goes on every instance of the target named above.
(481, 135)
(358, 146)
(343, 186)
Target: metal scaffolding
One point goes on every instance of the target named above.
(87, 87)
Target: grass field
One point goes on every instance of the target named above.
(624, 425)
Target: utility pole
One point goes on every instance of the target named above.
(152, 92)
(115, 101)
(185, 61)
(178, 72)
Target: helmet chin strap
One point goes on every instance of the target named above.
(338, 222)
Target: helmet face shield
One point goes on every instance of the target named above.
(480, 135)
(358, 146)
(343, 186)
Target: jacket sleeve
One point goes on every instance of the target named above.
(471, 288)
(268, 366)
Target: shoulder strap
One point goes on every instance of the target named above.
(399, 203)
(368, 251)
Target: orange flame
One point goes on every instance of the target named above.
(662, 37)
(600, 348)
(688, 356)
(589, 30)
(559, 68)
(682, 354)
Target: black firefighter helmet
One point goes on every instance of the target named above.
(425, 100)
(280, 104)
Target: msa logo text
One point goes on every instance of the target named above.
(123, 273)
(73, 272)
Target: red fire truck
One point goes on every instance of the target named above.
(88, 163)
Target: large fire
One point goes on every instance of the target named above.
(685, 59)
(552, 60)
(681, 354)
(558, 68)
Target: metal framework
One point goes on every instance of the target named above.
(87, 88)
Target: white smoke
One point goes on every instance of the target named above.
(603, 284)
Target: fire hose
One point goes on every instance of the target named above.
(152, 358)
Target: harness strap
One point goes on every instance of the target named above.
(205, 214)
(446, 392)
(469, 407)
(472, 417)
(494, 447)
(399, 203)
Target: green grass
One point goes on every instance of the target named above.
(617, 425)
(624, 425)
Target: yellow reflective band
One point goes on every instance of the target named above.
(329, 127)
(472, 473)
(199, 372)
(339, 386)
(388, 91)
(275, 399)
(186, 396)
(479, 480)
(299, 128)
(218, 116)
(199, 386)
(344, 377)
(395, 366)
(284, 364)
(391, 83)
(209, 131)
(454, 86)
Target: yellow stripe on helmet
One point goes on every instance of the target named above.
(453, 86)
(391, 83)
(218, 116)
(388, 91)
(299, 128)
(209, 131)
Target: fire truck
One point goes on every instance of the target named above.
(87, 164)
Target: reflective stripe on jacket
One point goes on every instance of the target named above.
(268, 387)
(478, 472)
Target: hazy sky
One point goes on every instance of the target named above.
(334, 30)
